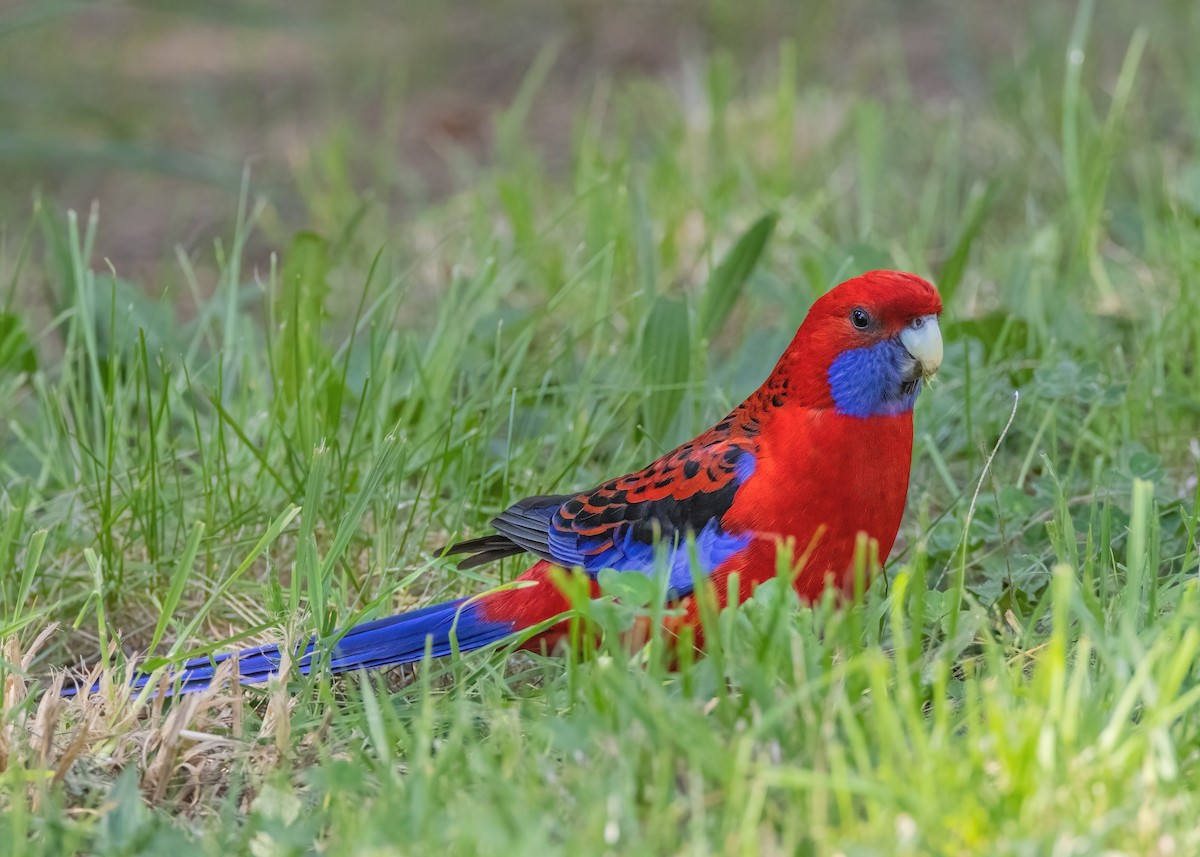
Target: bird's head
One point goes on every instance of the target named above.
(866, 345)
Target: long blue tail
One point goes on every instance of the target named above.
(384, 642)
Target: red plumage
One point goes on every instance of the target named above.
(820, 479)
(816, 457)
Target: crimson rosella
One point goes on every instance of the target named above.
(816, 456)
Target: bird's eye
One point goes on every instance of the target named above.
(860, 318)
(917, 323)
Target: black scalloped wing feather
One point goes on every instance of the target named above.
(615, 525)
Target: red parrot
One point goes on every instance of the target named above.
(816, 456)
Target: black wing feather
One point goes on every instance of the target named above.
(521, 528)
(685, 491)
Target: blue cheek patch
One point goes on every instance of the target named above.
(870, 382)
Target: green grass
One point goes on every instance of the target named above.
(248, 446)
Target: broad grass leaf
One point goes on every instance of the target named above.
(665, 357)
(727, 280)
(983, 197)
(302, 298)
(16, 351)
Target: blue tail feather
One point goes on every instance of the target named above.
(391, 641)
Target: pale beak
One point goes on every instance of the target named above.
(922, 339)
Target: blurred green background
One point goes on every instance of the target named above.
(154, 110)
